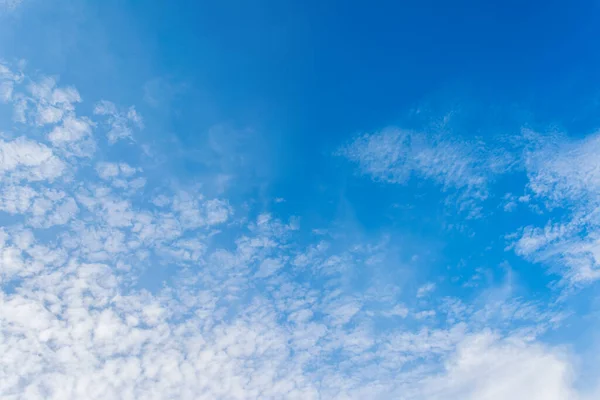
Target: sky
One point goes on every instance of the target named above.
(299, 200)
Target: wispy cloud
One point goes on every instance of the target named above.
(426, 289)
(120, 122)
(396, 155)
(564, 175)
(9, 4)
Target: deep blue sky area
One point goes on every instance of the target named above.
(347, 66)
(337, 67)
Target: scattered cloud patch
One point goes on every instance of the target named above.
(426, 289)
(563, 175)
(10, 5)
(396, 156)
(121, 123)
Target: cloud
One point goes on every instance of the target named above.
(23, 159)
(74, 136)
(45, 103)
(120, 122)
(8, 79)
(486, 368)
(162, 91)
(562, 170)
(268, 267)
(563, 174)
(426, 289)
(395, 156)
(10, 4)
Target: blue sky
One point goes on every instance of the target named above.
(350, 200)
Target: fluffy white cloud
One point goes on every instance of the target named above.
(24, 159)
(46, 103)
(486, 368)
(74, 136)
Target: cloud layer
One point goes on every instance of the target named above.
(245, 311)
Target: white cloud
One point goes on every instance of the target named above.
(564, 174)
(74, 136)
(7, 82)
(486, 368)
(108, 170)
(562, 170)
(426, 289)
(28, 160)
(71, 130)
(121, 175)
(394, 156)
(425, 314)
(268, 267)
(6, 90)
(397, 311)
(51, 103)
(121, 122)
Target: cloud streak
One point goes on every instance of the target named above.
(564, 175)
(396, 156)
